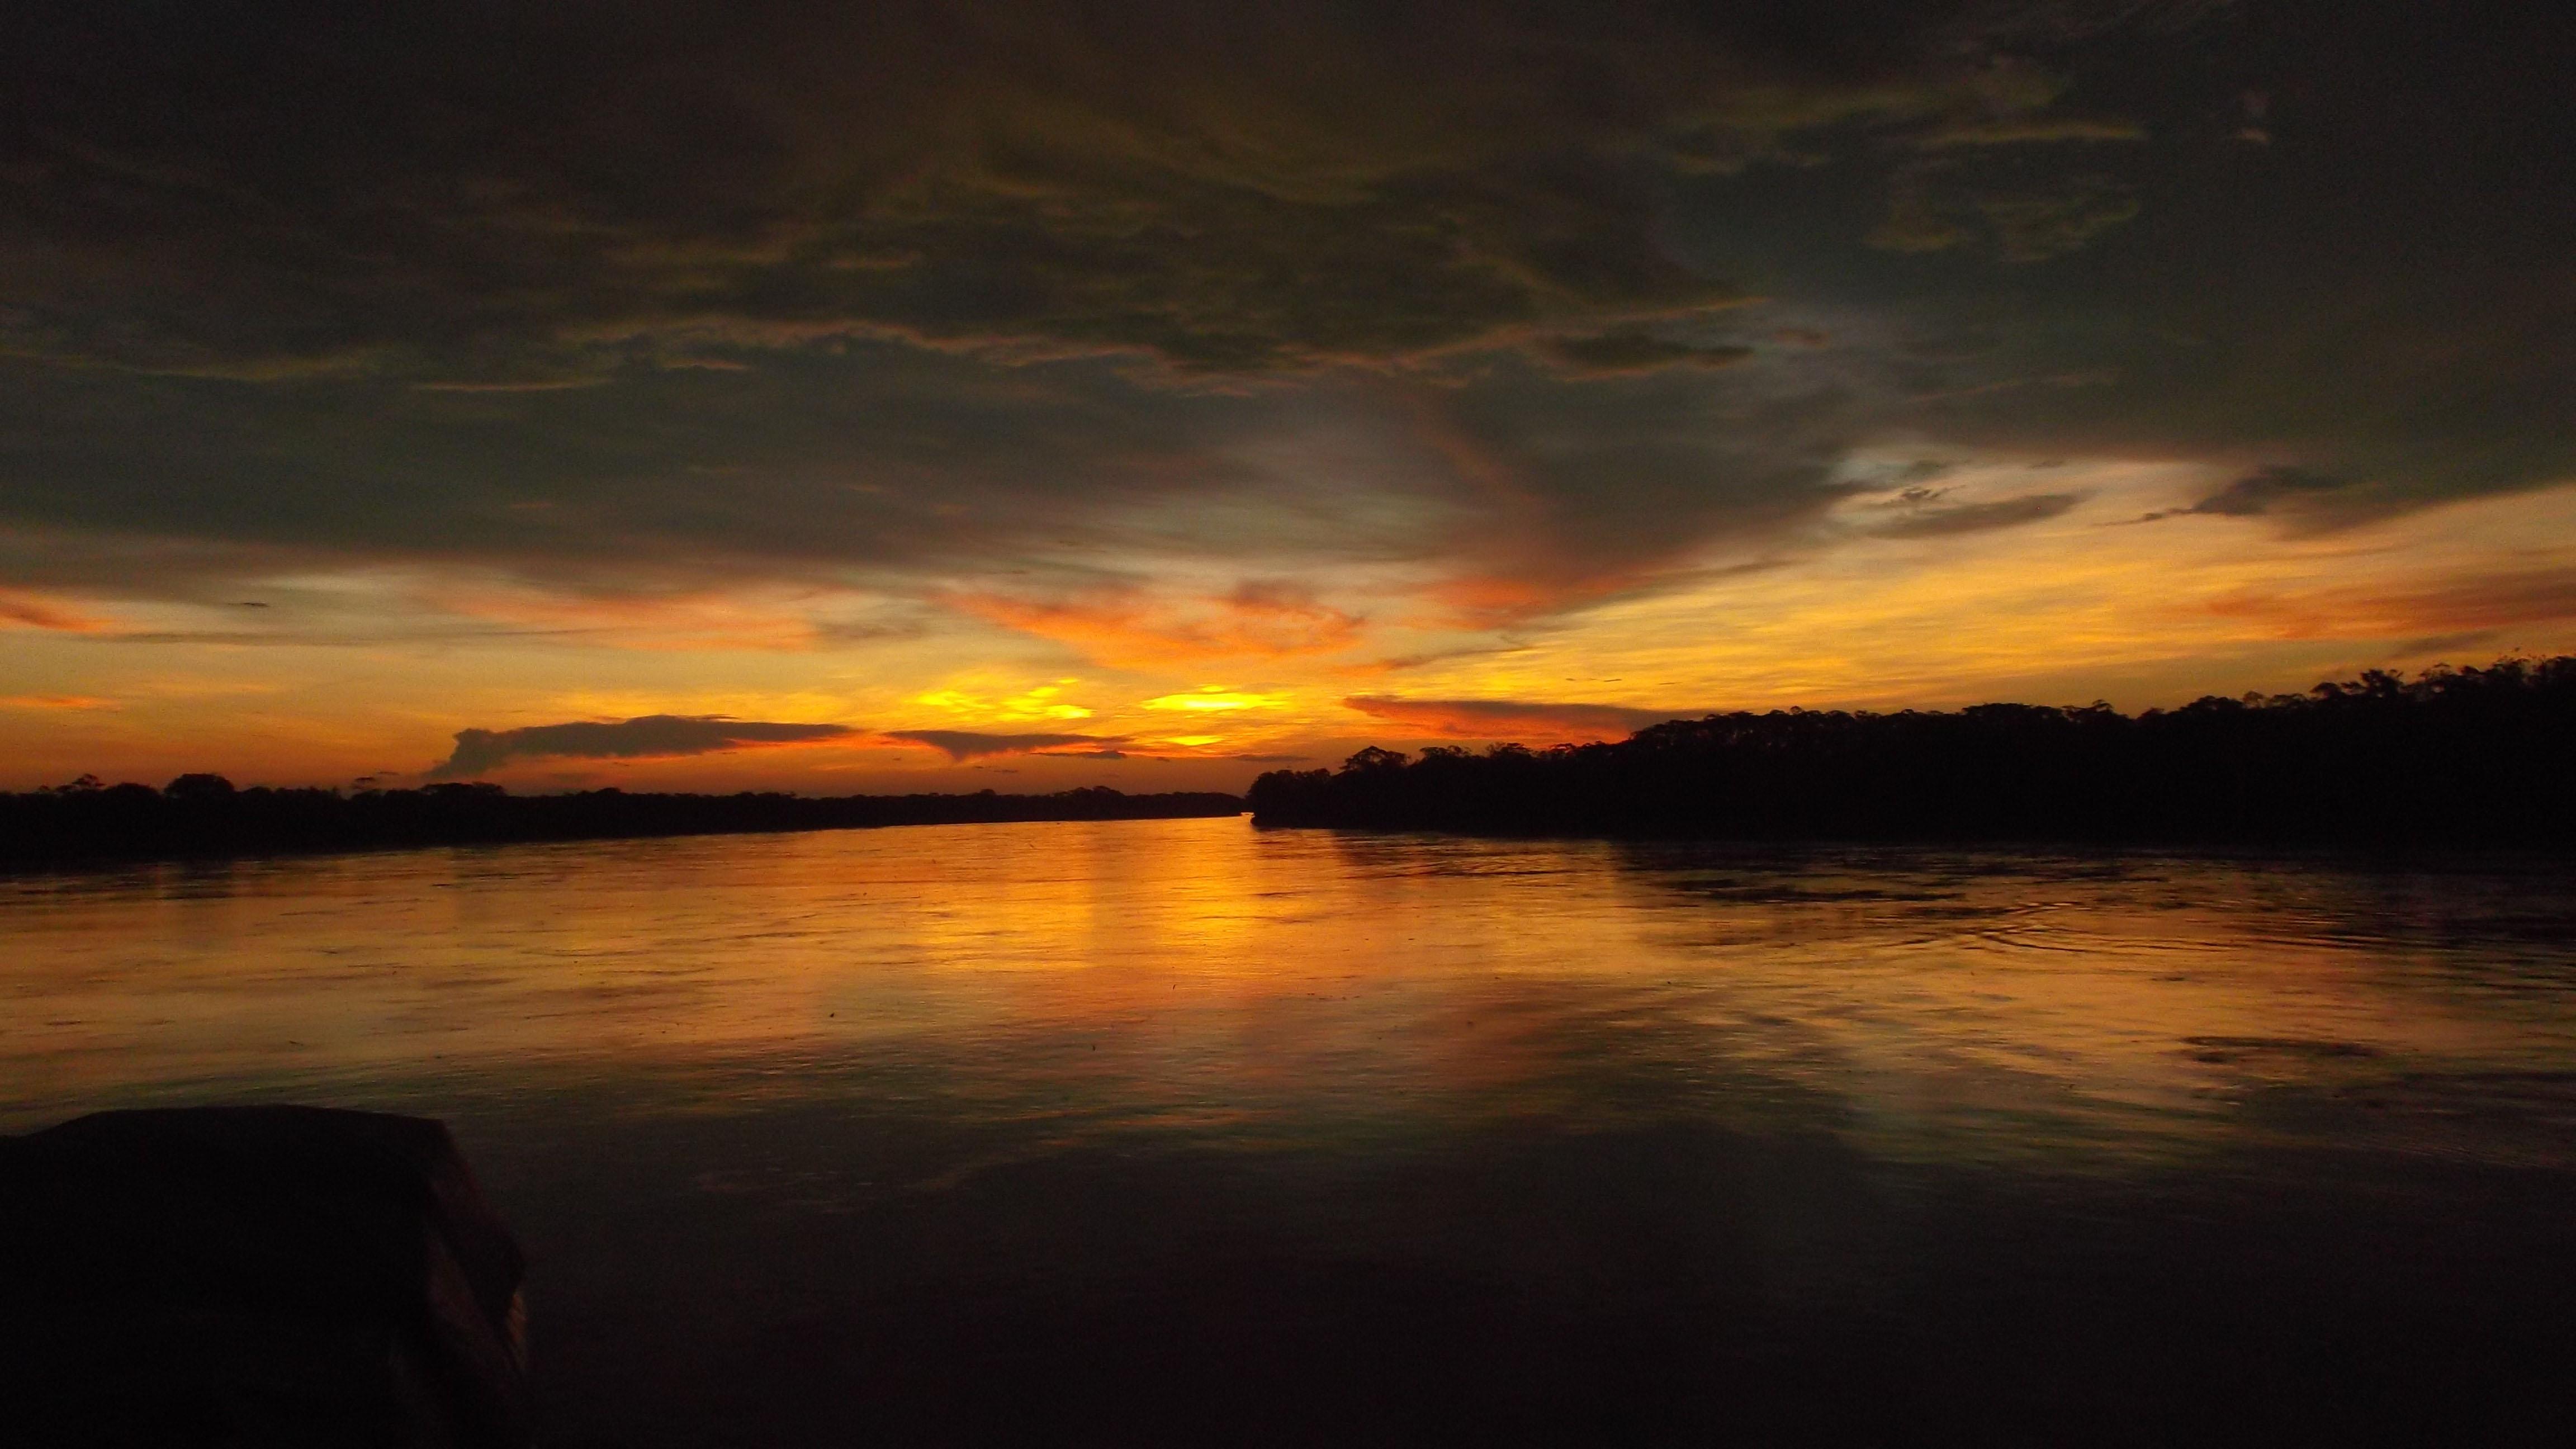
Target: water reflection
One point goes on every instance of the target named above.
(1688, 1106)
(1197, 976)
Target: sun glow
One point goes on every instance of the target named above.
(1998, 579)
(1040, 703)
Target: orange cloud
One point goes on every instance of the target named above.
(768, 619)
(1517, 563)
(2361, 611)
(1128, 628)
(1493, 600)
(970, 744)
(24, 610)
(55, 701)
(1528, 721)
(1498, 599)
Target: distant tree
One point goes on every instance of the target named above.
(2457, 754)
(87, 821)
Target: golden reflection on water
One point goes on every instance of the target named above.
(1204, 980)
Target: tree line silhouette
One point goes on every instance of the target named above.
(203, 815)
(2466, 755)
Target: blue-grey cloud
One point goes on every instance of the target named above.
(2258, 492)
(481, 751)
(2263, 491)
(1932, 519)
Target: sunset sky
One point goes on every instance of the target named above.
(950, 396)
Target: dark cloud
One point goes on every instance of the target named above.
(878, 455)
(1926, 517)
(295, 190)
(503, 199)
(2027, 130)
(971, 744)
(480, 751)
(624, 302)
(2379, 293)
(2266, 489)
(2026, 214)
(2065, 216)
(1568, 495)
(1612, 354)
(2276, 488)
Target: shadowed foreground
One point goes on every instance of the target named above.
(2484, 756)
(275, 1276)
(299, 1277)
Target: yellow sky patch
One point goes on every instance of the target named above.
(1217, 699)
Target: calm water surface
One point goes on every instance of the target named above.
(1180, 1132)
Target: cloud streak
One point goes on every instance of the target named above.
(1937, 521)
(27, 611)
(1509, 719)
(975, 744)
(1130, 625)
(1630, 352)
(480, 751)
(2266, 490)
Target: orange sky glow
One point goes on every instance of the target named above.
(1023, 396)
(1205, 691)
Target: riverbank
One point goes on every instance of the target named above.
(2478, 757)
(203, 816)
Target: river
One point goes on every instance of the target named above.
(1182, 1132)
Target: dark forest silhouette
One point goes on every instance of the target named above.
(198, 815)
(2469, 755)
